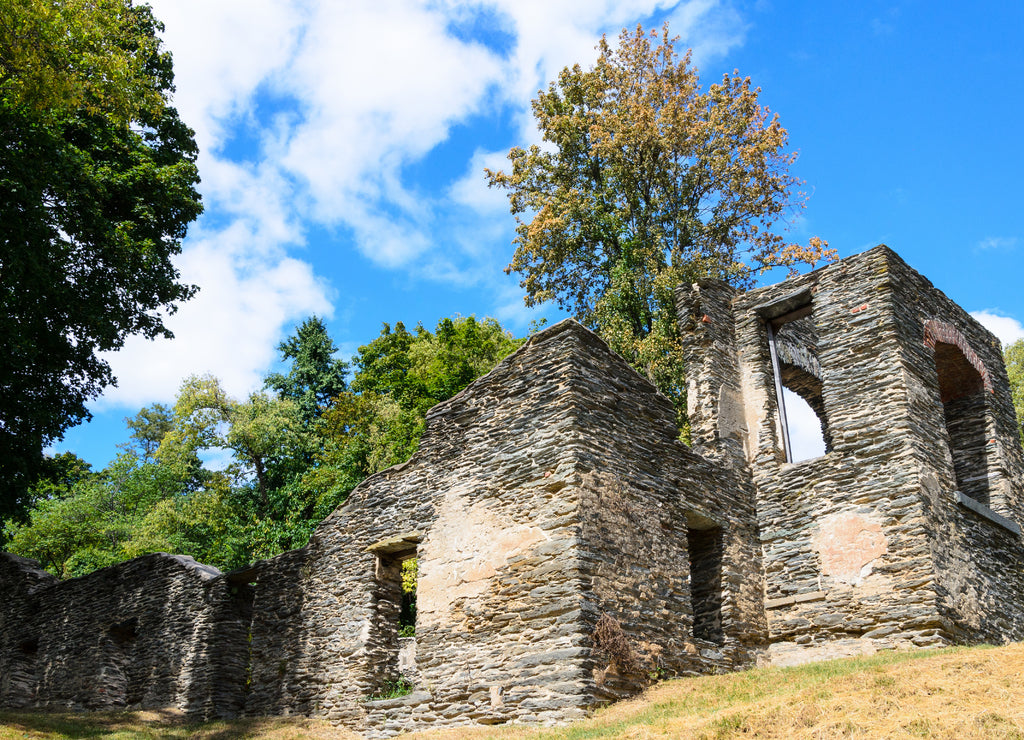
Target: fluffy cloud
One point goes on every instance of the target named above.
(230, 329)
(308, 114)
(1008, 329)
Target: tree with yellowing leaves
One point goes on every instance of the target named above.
(646, 182)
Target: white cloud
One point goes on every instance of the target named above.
(471, 190)
(230, 329)
(222, 52)
(1007, 328)
(1007, 243)
(338, 99)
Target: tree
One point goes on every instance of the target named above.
(94, 523)
(398, 377)
(1014, 357)
(316, 376)
(76, 54)
(265, 435)
(647, 182)
(148, 428)
(97, 186)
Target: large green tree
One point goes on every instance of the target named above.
(95, 521)
(282, 472)
(97, 185)
(398, 377)
(646, 181)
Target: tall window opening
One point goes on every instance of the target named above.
(391, 657)
(407, 612)
(964, 406)
(793, 346)
(704, 548)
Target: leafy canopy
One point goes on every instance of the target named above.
(59, 57)
(97, 186)
(646, 181)
(280, 470)
(316, 376)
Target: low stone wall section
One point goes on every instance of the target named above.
(160, 630)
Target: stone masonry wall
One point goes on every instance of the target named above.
(865, 547)
(847, 563)
(644, 493)
(977, 550)
(545, 495)
(571, 549)
(488, 504)
(145, 633)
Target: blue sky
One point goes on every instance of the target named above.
(342, 146)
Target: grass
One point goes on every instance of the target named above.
(962, 693)
(161, 725)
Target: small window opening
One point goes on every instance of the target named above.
(29, 646)
(704, 548)
(125, 632)
(964, 406)
(793, 345)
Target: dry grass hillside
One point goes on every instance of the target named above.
(957, 693)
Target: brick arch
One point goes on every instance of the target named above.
(939, 332)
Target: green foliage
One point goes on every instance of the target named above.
(399, 376)
(149, 426)
(58, 475)
(1014, 357)
(316, 376)
(407, 613)
(91, 55)
(648, 182)
(410, 575)
(93, 524)
(97, 186)
(293, 459)
(394, 689)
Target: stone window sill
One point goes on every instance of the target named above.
(791, 600)
(979, 508)
(409, 700)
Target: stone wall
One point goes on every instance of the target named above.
(571, 549)
(867, 547)
(160, 630)
(652, 513)
(544, 496)
(975, 544)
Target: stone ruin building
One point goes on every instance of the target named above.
(571, 549)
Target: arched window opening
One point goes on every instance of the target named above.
(793, 346)
(964, 406)
(806, 427)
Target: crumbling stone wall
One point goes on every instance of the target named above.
(653, 513)
(160, 630)
(974, 511)
(540, 499)
(869, 546)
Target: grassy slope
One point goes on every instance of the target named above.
(957, 693)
